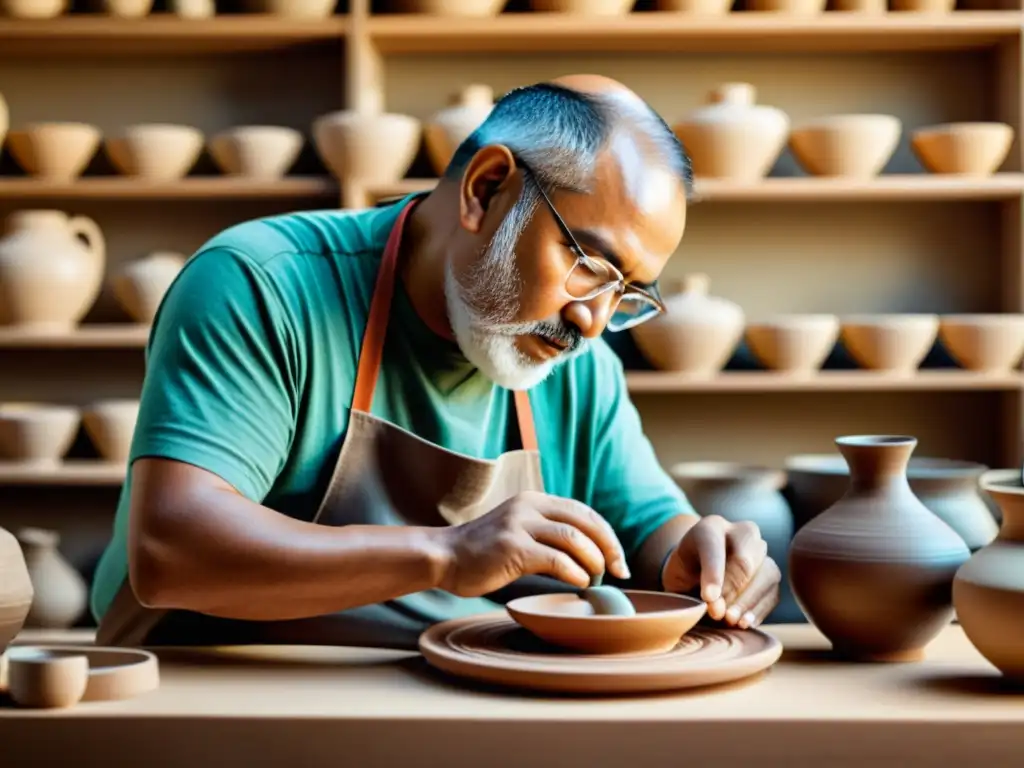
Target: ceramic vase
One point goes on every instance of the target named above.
(139, 286)
(447, 129)
(16, 592)
(696, 335)
(874, 572)
(51, 269)
(60, 591)
(732, 137)
(740, 493)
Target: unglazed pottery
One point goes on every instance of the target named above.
(985, 343)
(583, 7)
(127, 9)
(494, 649)
(47, 681)
(365, 145)
(140, 285)
(110, 425)
(193, 9)
(861, 6)
(34, 9)
(789, 7)
(896, 344)
(846, 146)
(295, 9)
(924, 6)
(51, 269)
(794, 344)
(57, 152)
(114, 673)
(464, 8)
(155, 151)
(874, 572)
(744, 493)
(5, 118)
(967, 149)
(16, 591)
(61, 594)
(988, 591)
(695, 7)
(447, 129)
(696, 335)
(256, 151)
(732, 137)
(37, 433)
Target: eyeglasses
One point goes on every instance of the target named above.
(589, 278)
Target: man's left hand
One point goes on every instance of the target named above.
(729, 564)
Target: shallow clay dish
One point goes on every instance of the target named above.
(494, 649)
(114, 673)
(567, 620)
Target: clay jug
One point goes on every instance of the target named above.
(732, 137)
(988, 591)
(739, 493)
(139, 286)
(874, 572)
(61, 594)
(447, 129)
(16, 591)
(696, 335)
(51, 269)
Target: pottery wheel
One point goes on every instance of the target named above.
(495, 649)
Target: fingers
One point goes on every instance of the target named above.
(758, 599)
(746, 550)
(541, 560)
(596, 528)
(571, 540)
(709, 540)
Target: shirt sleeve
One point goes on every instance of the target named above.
(220, 385)
(629, 486)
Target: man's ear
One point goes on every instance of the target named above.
(489, 175)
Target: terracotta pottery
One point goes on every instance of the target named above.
(874, 572)
(463, 8)
(113, 673)
(447, 129)
(846, 146)
(924, 6)
(966, 149)
(985, 343)
(732, 137)
(583, 7)
(37, 433)
(51, 269)
(127, 9)
(57, 152)
(34, 9)
(61, 594)
(16, 593)
(896, 344)
(155, 151)
(695, 7)
(256, 151)
(743, 493)
(696, 335)
(193, 9)
(140, 285)
(793, 344)
(294, 9)
(110, 425)
(365, 145)
(988, 591)
(789, 7)
(47, 681)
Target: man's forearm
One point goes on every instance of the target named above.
(651, 557)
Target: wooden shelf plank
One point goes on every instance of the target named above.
(77, 472)
(112, 336)
(161, 34)
(825, 381)
(189, 188)
(738, 32)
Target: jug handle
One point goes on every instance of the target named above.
(90, 232)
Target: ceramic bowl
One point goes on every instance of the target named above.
(967, 149)
(567, 620)
(986, 343)
(54, 151)
(892, 343)
(695, 7)
(847, 146)
(293, 9)
(795, 344)
(788, 7)
(583, 7)
(373, 148)
(46, 679)
(110, 424)
(256, 151)
(155, 151)
(461, 8)
(39, 433)
(33, 9)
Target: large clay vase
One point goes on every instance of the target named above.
(16, 591)
(741, 493)
(51, 269)
(696, 335)
(447, 129)
(139, 286)
(874, 572)
(732, 137)
(61, 594)
(988, 591)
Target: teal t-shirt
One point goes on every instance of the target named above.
(251, 364)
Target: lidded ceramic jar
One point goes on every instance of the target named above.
(874, 572)
(16, 592)
(988, 591)
(51, 269)
(447, 129)
(696, 335)
(732, 137)
(139, 286)
(61, 595)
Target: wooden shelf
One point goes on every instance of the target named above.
(640, 382)
(189, 188)
(161, 34)
(76, 472)
(84, 337)
(649, 32)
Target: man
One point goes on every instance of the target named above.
(357, 423)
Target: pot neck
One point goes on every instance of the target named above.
(1011, 502)
(877, 464)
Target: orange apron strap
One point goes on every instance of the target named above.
(524, 413)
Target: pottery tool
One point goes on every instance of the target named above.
(608, 601)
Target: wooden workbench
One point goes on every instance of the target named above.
(352, 708)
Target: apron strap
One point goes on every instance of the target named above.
(372, 352)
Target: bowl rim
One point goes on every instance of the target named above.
(692, 605)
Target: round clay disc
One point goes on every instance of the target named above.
(494, 649)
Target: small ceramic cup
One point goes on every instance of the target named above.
(46, 680)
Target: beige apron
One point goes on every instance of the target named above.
(384, 475)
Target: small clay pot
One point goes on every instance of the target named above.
(984, 343)
(55, 152)
(37, 433)
(896, 344)
(61, 594)
(155, 152)
(793, 344)
(45, 680)
(965, 149)
(846, 146)
(256, 151)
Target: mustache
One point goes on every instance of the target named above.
(562, 334)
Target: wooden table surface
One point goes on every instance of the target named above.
(350, 707)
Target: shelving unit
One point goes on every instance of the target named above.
(906, 241)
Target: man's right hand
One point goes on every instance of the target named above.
(530, 534)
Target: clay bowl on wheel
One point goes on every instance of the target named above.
(569, 621)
